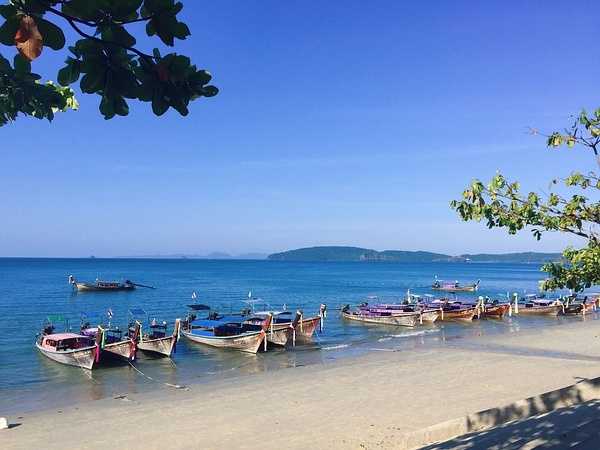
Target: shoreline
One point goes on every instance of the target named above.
(370, 399)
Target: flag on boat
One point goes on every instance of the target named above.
(249, 294)
(194, 296)
(109, 313)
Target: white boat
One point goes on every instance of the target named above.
(70, 349)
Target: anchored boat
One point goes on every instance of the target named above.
(114, 342)
(440, 285)
(153, 337)
(233, 332)
(101, 285)
(400, 318)
(534, 305)
(68, 348)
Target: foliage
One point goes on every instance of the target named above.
(105, 59)
(502, 205)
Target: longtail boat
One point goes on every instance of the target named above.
(427, 314)
(534, 305)
(69, 348)
(281, 328)
(154, 337)
(496, 311)
(455, 310)
(114, 342)
(583, 304)
(105, 286)
(399, 318)
(440, 285)
(227, 332)
(100, 285)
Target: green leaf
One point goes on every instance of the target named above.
(52, 35)
(8, 11)
(70, 73)
(22, 65)
(8, 31)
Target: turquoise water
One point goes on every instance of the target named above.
(31, 289)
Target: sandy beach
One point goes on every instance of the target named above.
(365, 402)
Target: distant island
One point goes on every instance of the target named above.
(340, 253)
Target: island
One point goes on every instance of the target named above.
(344, 253)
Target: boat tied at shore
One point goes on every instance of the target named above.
(153, 337)
(69, 348)
(114, 343)
(232, 332)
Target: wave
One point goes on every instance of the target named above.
(411, 334)
(335, 347)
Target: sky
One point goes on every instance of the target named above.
(337, 123)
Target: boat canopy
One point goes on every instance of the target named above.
(64, 336)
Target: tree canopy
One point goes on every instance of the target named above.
(502, 205)
(105, 60)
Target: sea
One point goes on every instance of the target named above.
(33, 289)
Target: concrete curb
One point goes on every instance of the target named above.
(522, 409)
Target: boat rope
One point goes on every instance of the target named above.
(175, 386)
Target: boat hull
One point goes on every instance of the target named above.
(83, 357)
(552, 310)
(496, 311)
(461, 315)
(305, 329)
(248, 342)
(430, 316)
(83, 287)
(279, 334)
(405, 320)
(453, 289)
(162, 346)
(122, 350)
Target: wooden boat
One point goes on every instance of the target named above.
(496, 311)
(227, 332)
(69, 348)
(281, 328)
(461, 313)
(405, 319)
(113, 343)
(428, 314)
(100, 285)
(155, 340)
(533, 305)
(440, 285)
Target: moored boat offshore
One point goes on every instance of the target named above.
(99, 285)
(440, 285)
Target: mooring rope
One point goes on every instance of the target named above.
(176, 386)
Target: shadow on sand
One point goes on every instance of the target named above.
(576, 426)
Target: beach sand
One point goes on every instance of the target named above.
(364, 402)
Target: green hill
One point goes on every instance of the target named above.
(341, 253)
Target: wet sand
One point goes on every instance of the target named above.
(366, 402)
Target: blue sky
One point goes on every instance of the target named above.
(337, 123)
